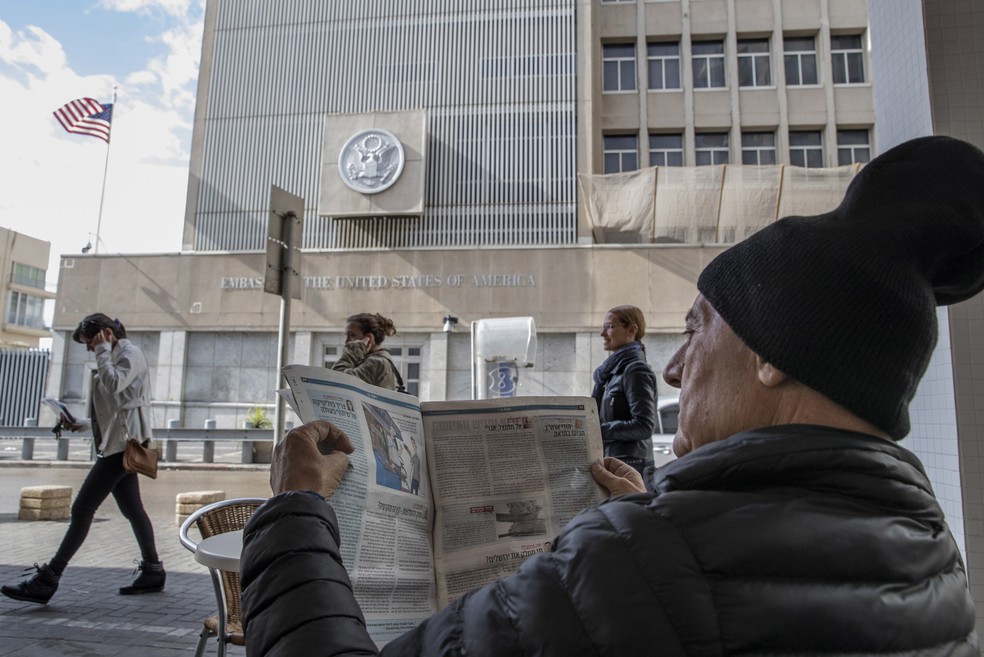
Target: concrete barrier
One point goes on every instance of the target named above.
(188, 502)
(45, 503)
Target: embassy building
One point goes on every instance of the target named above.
(522, 158)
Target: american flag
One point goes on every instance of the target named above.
(86, 116)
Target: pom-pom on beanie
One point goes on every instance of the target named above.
(845, 302)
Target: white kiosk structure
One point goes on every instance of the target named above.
(500, 347)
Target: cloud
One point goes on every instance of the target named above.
(32, 49)
(176, 8)
(177, 72)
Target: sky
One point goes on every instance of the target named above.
(51, 181)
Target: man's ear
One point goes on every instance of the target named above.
(768, 374)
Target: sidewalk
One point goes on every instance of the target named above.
(87, 616)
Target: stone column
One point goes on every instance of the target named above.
(168, 387)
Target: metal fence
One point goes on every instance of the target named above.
(221, 446)
(23, 373)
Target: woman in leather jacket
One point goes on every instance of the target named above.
(625, 389)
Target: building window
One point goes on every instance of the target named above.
(801, 60)
(664, 65)
(806, 149)
(619, 66)
(25, 310)
(754, 63)
(28, 276)
(405, 358)
(853, 146)
(847, 59)
(666, 150)
(621, 153)
(711, 148)
(708, 62)
(758, 148)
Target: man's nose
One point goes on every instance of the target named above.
(673, 372)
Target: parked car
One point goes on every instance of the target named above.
(667, 411)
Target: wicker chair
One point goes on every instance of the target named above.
(219, 518)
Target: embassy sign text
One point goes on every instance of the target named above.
(405, 282)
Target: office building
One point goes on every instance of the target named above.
(23, 263)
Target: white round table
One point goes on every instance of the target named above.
(221, 551)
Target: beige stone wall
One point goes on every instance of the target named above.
(563, 289)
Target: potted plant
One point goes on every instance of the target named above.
(257, 418)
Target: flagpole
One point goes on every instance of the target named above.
(102, 195)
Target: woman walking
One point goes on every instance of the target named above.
(119, 411)
(364, 355)
(625, 389)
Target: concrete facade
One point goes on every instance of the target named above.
(770, 108)
(209, 329)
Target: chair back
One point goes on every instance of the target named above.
(219, 518)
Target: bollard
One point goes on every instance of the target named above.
(27, 447)
(208, 447)
(62, 454)
(171, 448)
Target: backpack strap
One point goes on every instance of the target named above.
(399, 379)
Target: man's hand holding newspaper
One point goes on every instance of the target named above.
(311, 457)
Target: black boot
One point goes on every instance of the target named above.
(38, 588)
(150, 580)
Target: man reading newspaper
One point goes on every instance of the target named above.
(792, 523)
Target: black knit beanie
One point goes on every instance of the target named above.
(845, 302)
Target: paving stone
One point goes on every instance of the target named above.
(87, 616)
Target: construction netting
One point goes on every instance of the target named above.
(705, 205)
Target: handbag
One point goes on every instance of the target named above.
(140, 457)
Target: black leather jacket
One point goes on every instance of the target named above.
(627, 406)
(789, 540)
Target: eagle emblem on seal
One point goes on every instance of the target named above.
(371, 161)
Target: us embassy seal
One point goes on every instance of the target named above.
(371, 161)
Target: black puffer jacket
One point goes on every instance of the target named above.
(787, 540)
(625, 390)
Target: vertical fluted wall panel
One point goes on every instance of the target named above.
(496, 78)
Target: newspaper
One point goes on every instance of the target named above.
(60, 409)
(444, 497)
